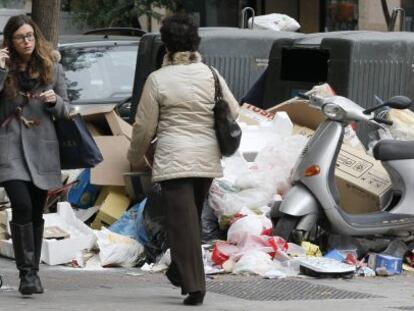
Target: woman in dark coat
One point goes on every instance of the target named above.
(32, 91)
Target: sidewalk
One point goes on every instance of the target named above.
(132, 289)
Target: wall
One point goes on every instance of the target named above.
(371, 16)
(282, 6)
(309, 11)
(306, 12)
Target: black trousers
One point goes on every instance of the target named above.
(183, 199)
(27, 201)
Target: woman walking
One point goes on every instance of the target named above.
(32, 91)
(176, 106)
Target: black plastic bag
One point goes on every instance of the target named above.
(155, 225)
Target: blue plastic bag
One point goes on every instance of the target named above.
(131, 223)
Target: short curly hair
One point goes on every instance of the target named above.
(179, 33)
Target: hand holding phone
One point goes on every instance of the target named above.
(4, 56)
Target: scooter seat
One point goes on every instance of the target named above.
(388, 149)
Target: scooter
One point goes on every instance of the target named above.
(313, 199)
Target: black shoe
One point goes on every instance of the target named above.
(27, 285)
(194, 298)
(37, 284)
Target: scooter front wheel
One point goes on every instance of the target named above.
(285, 228)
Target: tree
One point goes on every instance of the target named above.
(109, 13)
(45, 13)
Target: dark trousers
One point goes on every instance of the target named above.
(183, 199)
(27, 201)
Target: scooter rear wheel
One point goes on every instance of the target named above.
(285, 226)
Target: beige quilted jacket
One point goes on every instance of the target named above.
(176, 106)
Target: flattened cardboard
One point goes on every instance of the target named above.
(110, 172)
(105, 121)
(253, 115)
(118, 125)
(300, 113)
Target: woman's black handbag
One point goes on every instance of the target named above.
(77, 148)
(228, 132)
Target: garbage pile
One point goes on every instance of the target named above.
(109, 216)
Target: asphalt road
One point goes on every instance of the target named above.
(133, 289)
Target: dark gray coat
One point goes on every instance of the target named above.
(32, 154)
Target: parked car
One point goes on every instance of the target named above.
(99, 69)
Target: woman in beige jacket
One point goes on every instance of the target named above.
(176, 106)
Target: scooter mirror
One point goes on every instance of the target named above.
(399, 102)
(396, 102)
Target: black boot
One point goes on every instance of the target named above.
(38, 240)
(194, 298)
(23, 246)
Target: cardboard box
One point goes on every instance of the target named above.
(112, 135)
(110, 172)
(362, 182)
(56, 252)
(113, 203)
(252, 115)
(104, 120)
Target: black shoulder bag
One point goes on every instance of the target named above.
(228, 132)
(77, 148)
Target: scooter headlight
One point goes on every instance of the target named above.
(333, 111)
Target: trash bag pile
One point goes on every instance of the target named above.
(119, 220)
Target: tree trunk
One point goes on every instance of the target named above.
(45, 14)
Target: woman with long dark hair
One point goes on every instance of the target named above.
(177, 106)
(32, 91)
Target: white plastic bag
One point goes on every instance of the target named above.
(245, 226)
(254, 262)
(403, 124)
(117, 250)
(276, 22)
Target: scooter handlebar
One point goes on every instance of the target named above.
(383, 121)
(303, 96)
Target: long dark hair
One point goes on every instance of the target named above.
(41, 63)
